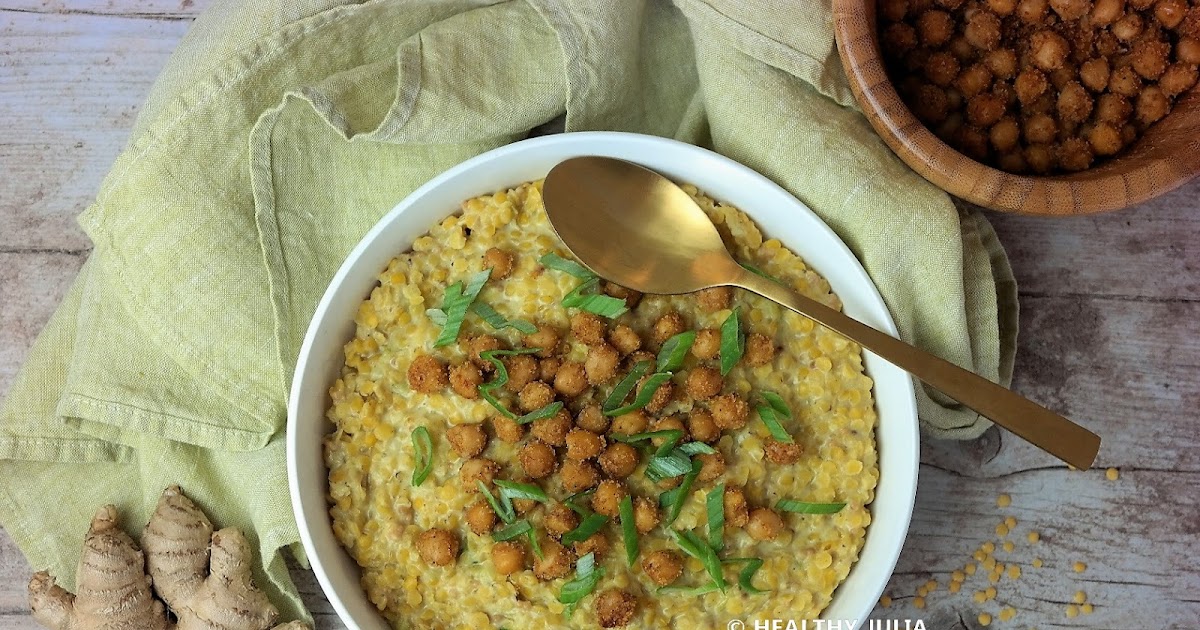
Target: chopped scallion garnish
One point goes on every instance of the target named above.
(437, 316)
(693, 546)
(602, 305)
(673, 499)
(621, 391)
(587, 576)
(512, 530)
(777, 403)
(541, 414)
(572, 502)
(558, 263)
(503, 508)
(774, 426)
(515, 490)
(644, 394)
(673, 464)
(674, 350)
(804, 507)
(497, 321)
(671, 435)
(697, 448)
(746, 575)
(533, 542)
(733, 343)
(690, 591)
(457, 300)
(758, 272)
(629, 529)
(423, 449)
(589, 526)
(486, 390)
(715, 504)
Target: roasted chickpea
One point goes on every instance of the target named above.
(624, 339)
(481, 518)
(555, 561)
(1190, 26)
(715, 298)
(1030, 85)
(592, 418)
(1107, 44)
(1040, 128)
(588, 328)
(934, 28)
(537, 459)
(701, 427)
(662, 567)
(1127, 28)
(1150, 58)
(764, 524)
(1032, 12)
(500, 261)
(1187, 50)
(559, 520)
(1094, 74)
(782, 452)
(930, 105)
(629, 423)
(476, 470)
(1178, 79)
(712, 465)
(1071, 9)
(583, 444)
(1170, 13)
(596, 544)
(950, 4)
(1125, 82)
(437, 547)
(1013, 162)
(468, 440)
(899, 38)
(465, 379)
(571, 379)
(972, 141)
(601, 363)
(1074, 103)
(985, 110)
(670, 423)
(667, 326)
(545, 340)
(608, 497)
(534, 396)
(893, 10)
(521, 506)
(1074, 154)
(522, 370)
(578, 476)
(639, 356)
(707, 344)
(1105, 12)
(1113, 108)
(427, 375)
(1048, 50)
(480, 344)
(1105, 138)
(983, 30)
(1152, 105)
(548, 368)
(729, 411)
(1039, 157)
(615, 608)
(703, 382)
(962, 49)
(941, 68)
(1140, 5)
(553, 430)
(737, 510)
(619, 460)
(1002, 7)
(631, 297)
(508, 557)
(1005, 135)
(646, 514)
(1129, 133)
(507, 429)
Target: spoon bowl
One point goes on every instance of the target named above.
(636, 228)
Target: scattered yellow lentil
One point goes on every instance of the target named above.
(931, 586)
(1009, 546)
(1086, 609)
(985, 619)
(922, 591)
(1112, 474)
(1034, 537)
(1014, 572)
(957, 576)
(1037, 563)
(919, 602)
(988, 547)
(994, 578)
(969, 569)
(1080, 567)
(980, 597)
(989, 564)
(1002, 530)
(1007, 613)
(1080, 597)
(991, 592)
(885, 601)
(1072, 611)
(954, 586)
(1003, 500)
(1011, 522)
(979, 556)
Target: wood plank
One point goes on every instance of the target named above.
(31, 286)
(70, 87)
(1148, 251)
(14, 575)
(179, 9)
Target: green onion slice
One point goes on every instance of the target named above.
(759, 272)
(629, 530)
(673, 352)
(437, 316)
(693, 546)
(804, 507)
(771, 420)
(621, 391)
(503, 508)
(541, 414)
(690, 591)
(512, 530)
(423, 447)
(533, 542)
(777, 403)
(589, 526)
(746, 575)
(715, 504)
(515, 490)
(572, 502)
(672, 435)
(600, 304)
(587, 576)
(697, 448)
(733, 344)
(496, 320)
(673, 499)
(457, 300)
(486, 389)
(644, 394)
(672, 464)
(553, 261)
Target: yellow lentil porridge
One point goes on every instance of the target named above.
(624, 460)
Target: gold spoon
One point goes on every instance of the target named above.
(636, 228)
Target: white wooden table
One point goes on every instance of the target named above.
(1110, 335)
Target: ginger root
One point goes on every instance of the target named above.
(202, 576)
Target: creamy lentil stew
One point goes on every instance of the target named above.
(456, 550)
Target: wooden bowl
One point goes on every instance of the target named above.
(1164, 158)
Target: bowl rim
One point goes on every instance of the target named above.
(1102, 188)
(858, 593)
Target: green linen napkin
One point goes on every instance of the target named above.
(281, 131)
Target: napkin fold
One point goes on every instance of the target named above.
(281, 131)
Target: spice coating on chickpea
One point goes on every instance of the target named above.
(537, 459)
(629, 423)
(934, 28)
(595, 544)
(482, 343)
(578, 476)
(662, 396)
(608, 497)
(702, 427)
(703, 382)
(481, 518)
(760, 350)
(619, 460)
(522, 370)
(508, 557)
(588, 328)
(782, 452)
(507, 429)
(555, 561)
(667, 326)
(615, 608)
(465, 379)
(707, 344)
(559, 520)
(476, 470)
(601, 363)
(437, 547)
(646, 514)
(534, 396)
(571, 379)
(592, 418)
(427, 375)
(737, 510)
(712, 465)
(632, 298)
(624, 339)
(468, 440)
(764, 524)
(983, 30)
(729, 411)
(545, 340)
(553, 430)
(663, 567)
(548, 367)
(715, 298)
(583, 444)
(500, 261)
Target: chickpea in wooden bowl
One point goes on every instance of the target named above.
(1033, 106)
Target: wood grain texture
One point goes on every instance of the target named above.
(1110, 335)
(1166, 157)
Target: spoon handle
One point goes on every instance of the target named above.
(1041, 427)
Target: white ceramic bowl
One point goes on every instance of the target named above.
(777, 213)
